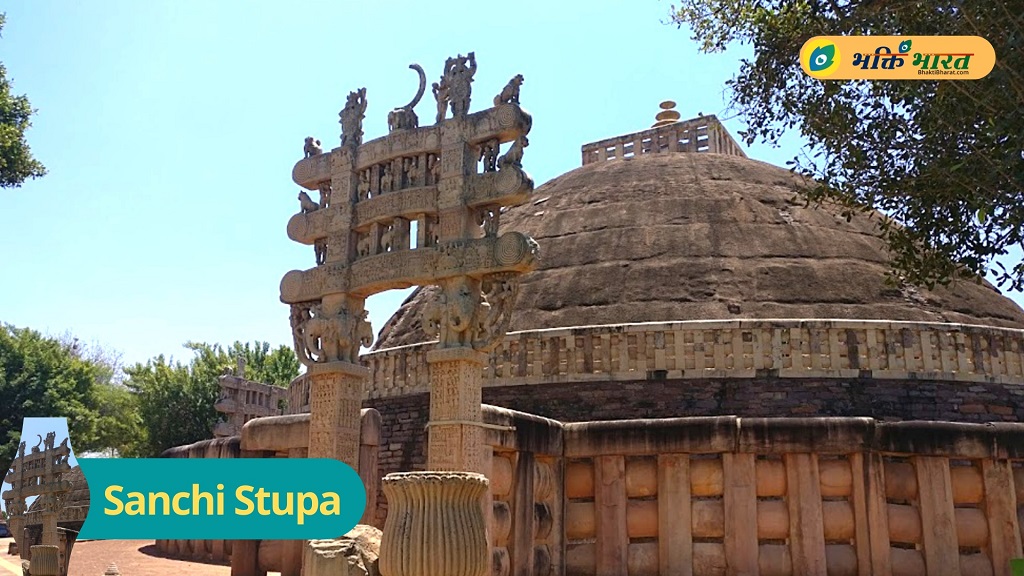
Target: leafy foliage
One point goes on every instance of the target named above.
(176, 400)
(16, 161)
(944, 160)
(41, 377)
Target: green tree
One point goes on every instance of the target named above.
(16, 161)
(176, 400)
(118, 422)
(41, 377)
(941, 159)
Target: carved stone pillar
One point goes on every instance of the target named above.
(455, 438)
(50, 536)
(421, 540)
(45, 561)
(335, 401)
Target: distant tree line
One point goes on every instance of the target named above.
(133, 411)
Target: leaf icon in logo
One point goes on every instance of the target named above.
(905, 46)
(822, 57)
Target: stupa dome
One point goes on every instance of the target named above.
(704, 236)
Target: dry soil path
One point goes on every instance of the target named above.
(133, 558)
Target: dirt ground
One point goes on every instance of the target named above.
(133, 558)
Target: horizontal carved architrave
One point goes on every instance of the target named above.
(311, 171)
(405, 203)
(511, 252)
(504, 123)
(506, 187)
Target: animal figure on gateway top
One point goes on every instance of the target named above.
(312, 147)
(307, 203)
(405, 118)
(510, 93)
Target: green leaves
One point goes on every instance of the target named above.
(926, 154)
(39, 377)
(16, 161)
(175, 400)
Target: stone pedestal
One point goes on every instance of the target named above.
(435, 525)
(455, 438)
(45, 561)
(335, 401)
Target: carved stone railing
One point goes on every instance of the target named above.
(242, 400)
(704, 134)
(727, 349)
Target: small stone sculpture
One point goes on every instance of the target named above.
(510, 94)
(364, 185)
(387, 239)
(434, 168)
(352, 118)
(322, 337)
(458, 77)
(387, 180)
(312, 147)
(405, 118)
(325, 194)
(441, 94)
(410, 171)
(306, 203)
(489, 155)
(363, 246)
(320, 250)
(488, 218)
(514, 156)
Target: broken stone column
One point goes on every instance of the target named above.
(354, 554)
(45, 561)
(435, 525)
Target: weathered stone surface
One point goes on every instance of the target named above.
(666, 237)
(354, 554)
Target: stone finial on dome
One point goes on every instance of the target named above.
(668, 134)
(667, 115)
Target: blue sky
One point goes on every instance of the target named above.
(170, 130)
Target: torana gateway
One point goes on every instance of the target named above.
(659, 363)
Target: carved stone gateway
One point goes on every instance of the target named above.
(419, 206)
(40, 473)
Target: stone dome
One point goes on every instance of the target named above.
(699, 236)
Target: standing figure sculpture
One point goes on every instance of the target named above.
(352, 118)
(489, 155)
(320, 250)
(459, 76)
(325, 194)
(441, 94)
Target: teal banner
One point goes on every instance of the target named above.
(221, 498)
